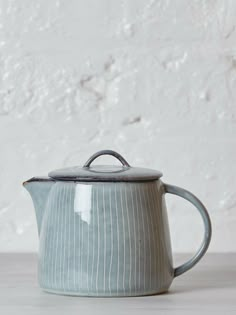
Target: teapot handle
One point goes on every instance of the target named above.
(207, 226)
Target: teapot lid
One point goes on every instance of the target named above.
(105, 173)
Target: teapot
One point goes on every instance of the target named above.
(104, 231)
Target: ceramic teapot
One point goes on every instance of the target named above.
(104, 230)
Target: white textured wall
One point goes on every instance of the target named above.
(154, 80)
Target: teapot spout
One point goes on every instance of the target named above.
(39, 189)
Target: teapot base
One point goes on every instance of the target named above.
(106, 294)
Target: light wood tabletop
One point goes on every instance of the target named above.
(209, 288)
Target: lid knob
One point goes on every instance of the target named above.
(106, 152)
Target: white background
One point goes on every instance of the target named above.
(154, 80)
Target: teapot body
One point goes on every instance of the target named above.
(105, 239)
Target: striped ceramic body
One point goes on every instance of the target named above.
(105, 239)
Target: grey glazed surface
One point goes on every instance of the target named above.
(107, 235)
(104, 239)
(107, 239)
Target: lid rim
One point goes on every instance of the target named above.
(105, 180)
(107, 177)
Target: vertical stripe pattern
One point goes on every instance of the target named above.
(114, 242)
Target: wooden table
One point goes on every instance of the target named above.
(209, 288)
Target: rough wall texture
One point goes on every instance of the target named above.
(154, 80)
